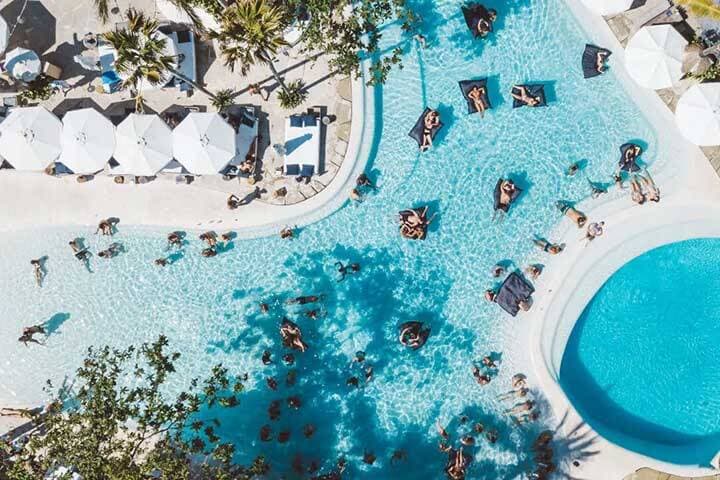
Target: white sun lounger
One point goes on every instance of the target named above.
(302, 146)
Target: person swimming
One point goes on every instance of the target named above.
(480, 378)
(413, 334)
(344, 270)
(175, 239)
(266, 357)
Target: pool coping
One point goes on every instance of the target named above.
(575, 276)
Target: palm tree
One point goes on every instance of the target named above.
(186, 6)
(141, 54)
(250, 33)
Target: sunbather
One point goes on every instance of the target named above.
(476, 94)
(38, 270)
(233, 202)
(653, 193)
(507, 191)
(484, 24)
(520, 408)
(521, 94)
(566, 209)
(636, 194)
(545, 246)
(594, 230)
(430, 122)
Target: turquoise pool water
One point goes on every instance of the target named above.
(640, 363)
(209, 307)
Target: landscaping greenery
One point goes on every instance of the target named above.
(702, 8)
(293, 96)
(118, 423)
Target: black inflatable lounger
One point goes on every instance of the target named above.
(589, 60)
(473, 13)
(467, 85)
(513, 290)
(629, 166)
(496, 197)
(417, 130)
(535, 90)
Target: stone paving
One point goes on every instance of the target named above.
(54, 28)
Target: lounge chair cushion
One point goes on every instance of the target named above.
(513, 290)
(307, 171)
(628, 166)
(467, 85)
(536, 90)
(416, 132)
(589, 60)
(292, 170)
(473, 13)
(309, 121)
(296, 121)
(496, 197)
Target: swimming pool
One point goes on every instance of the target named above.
(639, 363)
(209, 307)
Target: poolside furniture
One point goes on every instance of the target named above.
(87, 141)
(654, 55)
(302, 146)
(204, 143)
(589, 60)
(496, 196)
(467, 85)
(514, 290)
(30, 138)
(535, 90)
(143, 145)
(187, 63)
(23, 64)
(632, 165)
(697, 114)
(417, 131)
(473, 13)
(245, 119)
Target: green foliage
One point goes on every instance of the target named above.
(120, 425)
(38, 90)
(711, 74)
(140, 51)
(103, 10)
(223, 99)
(293, 96)
(702, 8)
(347, 39)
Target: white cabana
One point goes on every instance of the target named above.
(608, 7)
(143, 145)
(4, 34)
(654, 56)
(168, 10)
(698, 114)
(204, 143)
(23, 64)
(88, 141)
(30, 138)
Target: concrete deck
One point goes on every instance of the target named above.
(650, 474)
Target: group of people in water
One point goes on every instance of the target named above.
(469, 433)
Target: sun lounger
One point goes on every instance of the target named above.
(589, 60)
(467, 85)
(302, 146)
(631, 166)
(496, 197)
(417, 131)
(473, 13)
(535, 90)
(247, 131)
(514, 290)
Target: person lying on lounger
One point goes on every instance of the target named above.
(431, 121)
(414, 223)
(476, 94)
(521, 94)
(484, 24)
(630, 156)
(600, 58)
(507, 191)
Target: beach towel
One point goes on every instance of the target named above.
(589, 60)
(496, 197)
(467, 85)
(473, 13)
(417, 130)
(535, 90)
(631, 166)
(513, 290)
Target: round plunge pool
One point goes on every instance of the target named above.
(641, 364)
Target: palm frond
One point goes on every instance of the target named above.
(103, 10)
(702, 8)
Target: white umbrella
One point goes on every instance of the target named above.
(698, 114)
(30, 138)
(143, 145)
(88, 141)
(204, 143)
(4, 34)
(654, 55)
(174, 14)
(23, 64)
(608, 7)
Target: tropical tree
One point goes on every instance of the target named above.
(223, 99)
(186, 6)
(703, 8)
(141, 54)
(251, 33)
(119, 423)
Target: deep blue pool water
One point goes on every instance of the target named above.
(209, 307)
(641, 362)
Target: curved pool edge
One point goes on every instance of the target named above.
(191, 208)
(573, 278)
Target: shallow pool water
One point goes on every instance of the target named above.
(209, 307)
(640, 363)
